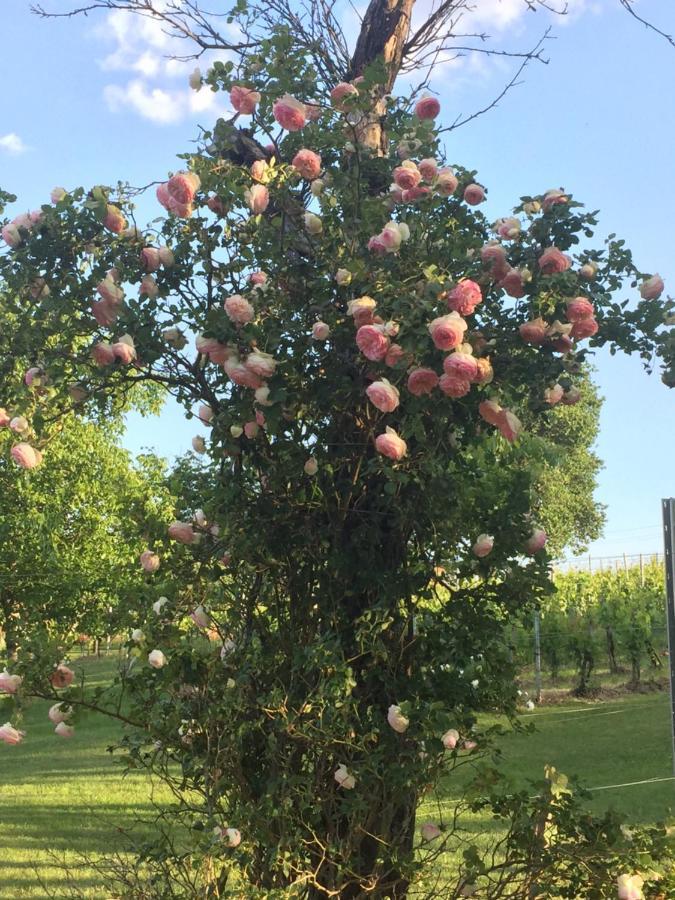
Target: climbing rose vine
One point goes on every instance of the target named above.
(368, 353)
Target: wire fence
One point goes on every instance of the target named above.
(616, 563)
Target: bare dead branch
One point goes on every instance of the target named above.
(628, 6)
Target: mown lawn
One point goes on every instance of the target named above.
(60, 799)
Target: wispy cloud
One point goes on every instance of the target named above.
(11, 143)
(157, 86)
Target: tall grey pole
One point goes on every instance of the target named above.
(668, 507)
(537, 656)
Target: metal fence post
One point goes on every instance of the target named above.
(668, 507)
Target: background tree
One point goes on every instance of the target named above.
(71, 534)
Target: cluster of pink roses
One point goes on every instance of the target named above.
(23, 454)
(122, 350)
(412, 181)
(178, 193)
(11, 233)
(484, 543)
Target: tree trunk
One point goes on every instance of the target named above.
(384, 31)
(611, 650)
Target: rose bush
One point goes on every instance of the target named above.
(346, 618)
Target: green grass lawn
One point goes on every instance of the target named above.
(67, 797)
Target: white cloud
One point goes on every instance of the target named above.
(11, 143)
(157, 87)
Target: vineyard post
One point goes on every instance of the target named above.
(669, 561)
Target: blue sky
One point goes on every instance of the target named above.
(94, 100)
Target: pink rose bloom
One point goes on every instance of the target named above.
(260, 417)
(422, 381)
(26, 456)
(244, 100)
(216, 205)
(562, 344)
(513, 284)
(461, 365)
(34, 374)
(344, 778)
(110, 291)
(148, 287)
(262, 364)
(56, 714)
(383, 395)
(474, 194)
(156, 659)
(377, 245)
(571, 397)
(9, 734)
(372, 342)
(397, 720)
(493, 254)
(491, 412)
(251, 430)
(629, 887)
(150, 259)
(311, 466)
(552, 198)
(579, 308)
(205, 413)
(258, 278)
(259, 169)
(454, 385)
(149, 561)
(588, 271)
(469, 745)
(11, 236)
(237, 372)
(553, 395)
(5, 418)
(63, 730)
(19, 424)
(166, 257)
(429, 831)
(182, 187)
(415, 193)
(102, 354)
(62, 676)
(509, 425)
(307, 163)
(446, 182)
(483, 546)
(427, 108)
(465, 297)
(342, 91)
(391, 445)
(508, 228)
(320, 331)
(553, 261)
(584, 328)
(114, 219)
(290, 113)
(9, 684)
(105, 313)
(652, 288)
(450, 739)
(360, 306)
(257, 198)
(200, 617)
(124, 352)
(533, 332)
(536, 541)
(181, 532)
(428, 169)
(233, 836)
(394, 355)
(447, 332)
(239, 310)
(217, 352)
(407, 177)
